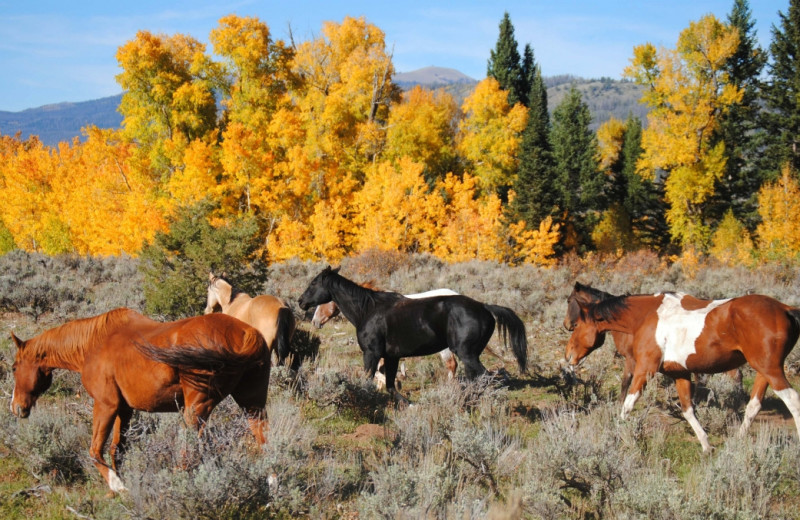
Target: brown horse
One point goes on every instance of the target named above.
(129, 362)
(584, 294)
(677, 335)
(270, 315)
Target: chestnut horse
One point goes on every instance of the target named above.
(678, 335)
(324, 312)
(391, 326)
(623, 342)
(129, 362)
(270, 315)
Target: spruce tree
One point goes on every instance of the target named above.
(504, 62)
(578, 182)
(740, 127)
(782, 95)
(535, 198)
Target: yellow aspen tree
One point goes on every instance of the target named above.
(423, 127)
(687, 90)
(388, 210)
(731, 243)
(779, 206)
(344, 96)
(536, 246)
(490, 135)
(471, 227)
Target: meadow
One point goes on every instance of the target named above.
(536, 445)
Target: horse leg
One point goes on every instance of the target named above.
(634, 392)
(684, 386)
(103, 418)
(371, 360)
(380, 377)
(119, 438)
(390, 365)
(754, 406)
(788, 395)
(252, 399)
(627, 375)
(450, 362)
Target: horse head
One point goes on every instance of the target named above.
(219, 292)
(31, 379)
(317, 293)
(324, 313)
(586, 336)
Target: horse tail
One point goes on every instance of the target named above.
(794, 313)
(284, 333)
(511, 327)
(216, 359)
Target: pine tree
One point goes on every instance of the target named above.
(740, 127)
(504, 62)
(577, 180)
(643, 199)
(782, 94)
(535, 198)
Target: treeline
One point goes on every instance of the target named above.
(322, 154)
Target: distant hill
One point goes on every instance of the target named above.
(63, 121)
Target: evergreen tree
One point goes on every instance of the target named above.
(176, 264)
(642, 199)
(535, 197)
(577, 179)
(528, 75)
(504, 62)
(782, 95)
(740, 127)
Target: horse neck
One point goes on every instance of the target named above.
(354, 301)
(65, 346)
(629, 319)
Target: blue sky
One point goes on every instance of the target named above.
(55, 51)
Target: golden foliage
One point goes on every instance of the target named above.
(731, 243)
(490, 135)
(779, 207)
(536, 246)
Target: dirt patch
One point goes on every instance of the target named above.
(367, 432)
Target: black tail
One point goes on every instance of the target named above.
(795, 314)
(284, 334)
(510, 326)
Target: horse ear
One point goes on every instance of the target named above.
(211, 276)
(18, 342)
(334, 271)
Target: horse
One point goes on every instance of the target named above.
(326, 311)
(623, 342)
(270, 315)
(678, 335)
(129, 362)
(391, 326)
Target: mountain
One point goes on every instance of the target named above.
(63, 121)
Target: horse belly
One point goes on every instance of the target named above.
(159, 390)
(410, 341)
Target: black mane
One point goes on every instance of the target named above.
(596, 294)
(608, 309)
(362, 300)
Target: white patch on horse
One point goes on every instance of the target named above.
(12, 400)
(678, 329)
(115, 483)
(430, 294)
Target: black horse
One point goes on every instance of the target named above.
(391, 326)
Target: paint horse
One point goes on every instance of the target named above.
(623, 342)
(391, 326)
(677, 335)
(129, 362)
(270, 315)
(326, 311)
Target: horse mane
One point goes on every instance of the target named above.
(69, 342)
(363, 295)
(609, 308)
(234, 290)
(597, 294)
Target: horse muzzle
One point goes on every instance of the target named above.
(20, 411)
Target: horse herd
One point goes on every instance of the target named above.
(129, 362)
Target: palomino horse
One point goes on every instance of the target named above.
(623, 342)
(391, 326)
(270, 315)
(324, 312)
(678, 335)
(129, 362)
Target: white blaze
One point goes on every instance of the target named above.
(678, 329)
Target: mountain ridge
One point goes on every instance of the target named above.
(57, 122)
